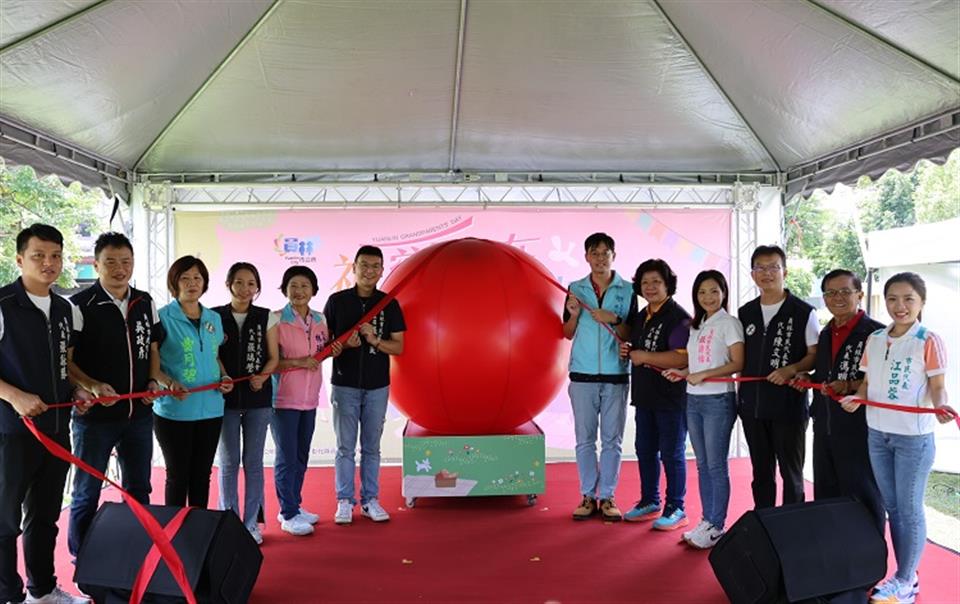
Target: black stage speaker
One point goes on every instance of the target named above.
(822, 551)
(220, 557)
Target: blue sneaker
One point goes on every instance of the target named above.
(671, 519)
(894, 591)
(642, 511)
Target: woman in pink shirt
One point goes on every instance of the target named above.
(300, 333)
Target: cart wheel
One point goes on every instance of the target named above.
(411, 502)
(531, 499)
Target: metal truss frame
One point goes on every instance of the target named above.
(220, 197)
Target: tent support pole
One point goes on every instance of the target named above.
(176, 118)
(885, 42)
(455, 116)
(13, 45)
(720, 89)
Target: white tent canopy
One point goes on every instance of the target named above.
(802, 92)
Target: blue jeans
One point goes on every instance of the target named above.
(662, 436)
(710, 419)
(355, 409)
(901, 464)
(604, 405)
(251, 425)
(292, 433)
(93, 442)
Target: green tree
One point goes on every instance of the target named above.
(26, 199)
(888, 203)
(799, 281)
(806, 220)
(937, 196)
(840, 249)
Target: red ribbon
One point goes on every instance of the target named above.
(161, 537)
(162, 547)
(825, 390)
(150, 524)
(153, 556)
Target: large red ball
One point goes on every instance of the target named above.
(484, 350)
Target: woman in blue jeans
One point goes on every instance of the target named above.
(904, 364)
(715, 349)
(248, 349)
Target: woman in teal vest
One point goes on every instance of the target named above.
(188, 425)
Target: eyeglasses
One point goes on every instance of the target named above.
(770, 268)
(833, 293)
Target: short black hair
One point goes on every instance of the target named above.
(243, 266)
(299, 270)
(111, 239)
(596, 239)
(182, 265)
(369, 250)
(767, 250)
(43, 232)
(840, 272)
(655, 265)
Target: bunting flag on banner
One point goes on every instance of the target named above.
(680, 244)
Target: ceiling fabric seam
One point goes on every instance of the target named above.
(203, 86)
(26, 39)
(716, 84)
(885, 42)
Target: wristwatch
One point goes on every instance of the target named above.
(618, 321)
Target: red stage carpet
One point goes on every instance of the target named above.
(500, 550)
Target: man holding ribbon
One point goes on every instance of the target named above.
(36, 331)
(361, 383)
(111, 355)
(781, 333)
(841, 461)
(596, 317)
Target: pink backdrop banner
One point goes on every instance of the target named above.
(326, 241)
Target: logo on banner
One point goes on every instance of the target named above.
(297, 250)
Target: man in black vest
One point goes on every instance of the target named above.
(111, 355)
(36, 327)
(841, 462)
(780, 332)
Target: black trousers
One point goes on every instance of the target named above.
(31, 493)
(188, 451)
(841, 467)
(775, 443)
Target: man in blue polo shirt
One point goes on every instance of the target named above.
(599, 378)
(36, 328)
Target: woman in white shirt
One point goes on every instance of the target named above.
(904, 364)
(715, 349)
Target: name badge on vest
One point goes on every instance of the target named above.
(751, 329)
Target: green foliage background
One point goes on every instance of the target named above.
(26, 199)
(818, 233)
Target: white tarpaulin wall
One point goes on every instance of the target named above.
(797, 89)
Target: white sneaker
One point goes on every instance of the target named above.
(374, 511)
(344, 513)
(309, 516)
(706, 539)
(57, 596)
(704, 525)
(296, 526)
(257, 535)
